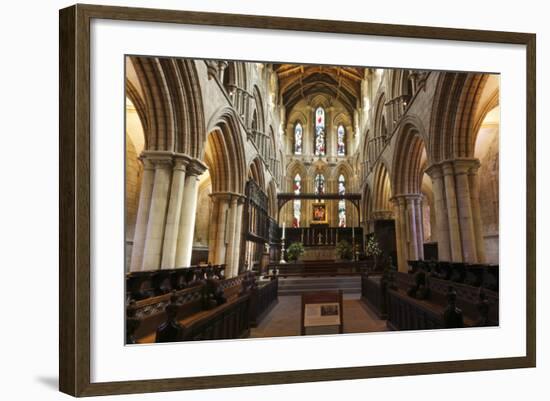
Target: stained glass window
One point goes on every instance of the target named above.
(297, 204)
(320, 142)
(298, 135)
(341, 202)
(319, 184)
(341, 151)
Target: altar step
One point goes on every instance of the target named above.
(299, 285)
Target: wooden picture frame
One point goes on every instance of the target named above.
(319, 211)
(75, 207)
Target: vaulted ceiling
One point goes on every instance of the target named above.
(298, 82)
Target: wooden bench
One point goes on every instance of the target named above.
(379, 297)
(191, 303)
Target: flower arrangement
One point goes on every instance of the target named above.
(372, 248)
(295, 250)
(344, 250)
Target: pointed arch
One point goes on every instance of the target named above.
(453, 115)
(410, 157)
(380, 126)
(256, 172)
(382, 188)
(171, 104)
(224, 153)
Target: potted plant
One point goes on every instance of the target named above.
(373, 249)
(344, 250)
(294, 251)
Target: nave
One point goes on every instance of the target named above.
(255, 189)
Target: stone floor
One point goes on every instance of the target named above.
(284, 318)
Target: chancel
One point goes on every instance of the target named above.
(267, 200)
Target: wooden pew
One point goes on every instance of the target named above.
(195, 311)
(262, 299)
(440, 276)
(146, 284)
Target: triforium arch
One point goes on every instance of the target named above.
(168, 98)
(454, 169)
(409, 164)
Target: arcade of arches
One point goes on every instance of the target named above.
(220, 158)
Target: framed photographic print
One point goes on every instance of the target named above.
(218, 170)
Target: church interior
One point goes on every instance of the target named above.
(266, 200)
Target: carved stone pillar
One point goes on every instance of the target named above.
(230, 237)
(419, 226)
(221, 203)
(174, 212)
(476, 213)
(400, 235)
(157, 212)
(212, 229)
(411, 227)
(469, 247)
(188, 214)
(442, 222)
(452, 213)
(237, 237)
(136, 262)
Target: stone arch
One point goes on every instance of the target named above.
(133, 93)
(409, 160)
(224, 153)
(380, 126)
(272, 199)
(256, 172)
(258, 111)
(455, 102)
(401, 84)
(382, 188)
(235, 76)
(366, 206)
(173, 103)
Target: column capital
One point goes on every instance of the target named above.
(228, 196)
(466, 166)
(196, 167)
(157, 159)
(434, 171)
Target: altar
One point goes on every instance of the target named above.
(319, 252)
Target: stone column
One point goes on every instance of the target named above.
(222, 201)
(403, 264)
(476, 213)
(419, 226)
(462, 168)
(174, 212)
(188, 214)
(157, 211)
(411, 223)
(400, 239)
(212, 230)
(237, 236)
(452, 213)
(142, 218)
(230, 231)
(442, 222)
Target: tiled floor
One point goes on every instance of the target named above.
(284, 318)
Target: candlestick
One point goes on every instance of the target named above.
(283, 236)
